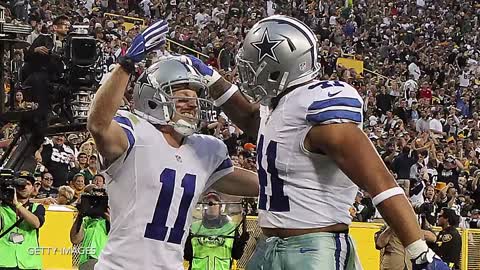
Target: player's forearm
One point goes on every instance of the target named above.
(399, 215)
(244, 114)
(240, 182)
(107, 100)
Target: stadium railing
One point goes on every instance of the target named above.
(190, 50)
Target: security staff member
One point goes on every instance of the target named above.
(393, 254)
(449, 242)
(214, 242)
(20, 221)
(43, 62)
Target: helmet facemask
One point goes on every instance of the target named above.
(259, 90)
(163, 108)
(278, 53)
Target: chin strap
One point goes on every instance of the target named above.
(183, 127)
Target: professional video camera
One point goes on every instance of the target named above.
(83, 70)
(7, 185)
(94, 203)
(9, 181)
(74, 84)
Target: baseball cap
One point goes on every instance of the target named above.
(211, 196)
(24, 176)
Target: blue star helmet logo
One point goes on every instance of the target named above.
(266, 47)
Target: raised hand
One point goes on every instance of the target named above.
(147, 41)
(208, 72)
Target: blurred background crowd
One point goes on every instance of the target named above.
(421, 92)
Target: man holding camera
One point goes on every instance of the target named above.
(19, 223)
(214, 241)
(91, 226)
(43, 62)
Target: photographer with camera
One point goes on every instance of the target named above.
(91, 226)
(215, 242)
(43, 63)
(20, 221)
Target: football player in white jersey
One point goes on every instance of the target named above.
(311, 153)
(156, 167)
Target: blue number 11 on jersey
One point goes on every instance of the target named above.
(158, 229)
(278, 201)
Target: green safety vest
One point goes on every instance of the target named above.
(24, 255)
(95, 238)
(212, 253)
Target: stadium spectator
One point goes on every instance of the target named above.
(46, 189)
(92, 169)
(66, 195)
(99, 181)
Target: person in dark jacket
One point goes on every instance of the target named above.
(449, 242)
(43, 64)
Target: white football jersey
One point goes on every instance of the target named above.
(152, 190)
(298, 188)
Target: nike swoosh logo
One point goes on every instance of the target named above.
(334, 94)
(305, 250)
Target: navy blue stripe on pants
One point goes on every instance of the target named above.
(338, 249)
(347, 256)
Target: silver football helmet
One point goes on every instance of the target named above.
(278, 52)
(155, 100)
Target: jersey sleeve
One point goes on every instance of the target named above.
(335, 104)
(223, 165)
(127, 123)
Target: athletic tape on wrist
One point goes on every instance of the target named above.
(213, 79)
(416, 249)
(382, 196)
(226, 96)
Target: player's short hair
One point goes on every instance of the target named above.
(450, 215)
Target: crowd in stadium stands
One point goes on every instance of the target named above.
(421, 90)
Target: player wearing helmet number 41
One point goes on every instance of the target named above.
(311, 153)
(156, 167)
